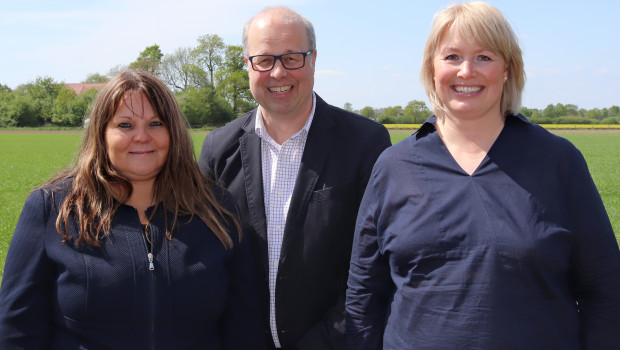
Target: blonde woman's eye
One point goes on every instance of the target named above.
(451, 58)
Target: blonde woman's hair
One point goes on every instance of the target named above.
(490, 29)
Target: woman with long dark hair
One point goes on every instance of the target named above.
(130, 248)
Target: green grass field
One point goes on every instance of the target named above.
(28, 159)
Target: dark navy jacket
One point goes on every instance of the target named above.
(340, 151)
(55, 295)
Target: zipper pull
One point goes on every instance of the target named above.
(151, 266)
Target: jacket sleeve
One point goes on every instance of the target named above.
(25, 296)
(369, 284)
(596, 262)
(242, 321)
(205, 161)
(330, 332)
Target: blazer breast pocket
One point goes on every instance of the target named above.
(332, 192)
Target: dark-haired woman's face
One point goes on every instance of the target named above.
(137, 141)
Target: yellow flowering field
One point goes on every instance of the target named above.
(546, 126)
(580, 126)
(402, 126)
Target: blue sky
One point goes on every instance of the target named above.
(369, 52)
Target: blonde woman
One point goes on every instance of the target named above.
(481, 230)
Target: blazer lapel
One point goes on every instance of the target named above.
(250, 148)
(313, 160)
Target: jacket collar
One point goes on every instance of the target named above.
(317, 148)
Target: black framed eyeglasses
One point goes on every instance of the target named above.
(291, 60)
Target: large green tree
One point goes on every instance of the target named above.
(415, 112)
(43, 91)
(203, 106)
(233, 81)
(19, 109)
(181, 69)
(604, 112)
(69, 108)
(369, 112)
(390, 115)
(594, 113)
(560, 110)
(550, 112)
(6, 99)
(60, 111)
(571, 109)
(148, 60)
(210, 51)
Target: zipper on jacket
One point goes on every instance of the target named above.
(151, 265)
(148, 236)
(149, 255)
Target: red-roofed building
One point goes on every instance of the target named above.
(80, 88)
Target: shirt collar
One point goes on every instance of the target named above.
(259, 125)
(429, 124)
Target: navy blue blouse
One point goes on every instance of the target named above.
(195, 295)
(519, 255)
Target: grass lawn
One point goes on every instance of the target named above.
(28, 159)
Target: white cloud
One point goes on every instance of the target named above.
(604, 71)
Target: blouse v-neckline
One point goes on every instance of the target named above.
(454, 160)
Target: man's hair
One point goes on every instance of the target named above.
(286, 16)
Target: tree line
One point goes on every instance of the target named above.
(209, 80)
(211, 84)
(416, 112)
(572, 114)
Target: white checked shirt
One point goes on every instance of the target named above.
(280, 165)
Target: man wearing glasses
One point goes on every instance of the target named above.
(298, 168)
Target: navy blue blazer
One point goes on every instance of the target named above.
(55, 295)
(340, 152)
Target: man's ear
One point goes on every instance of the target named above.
(313, 58)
